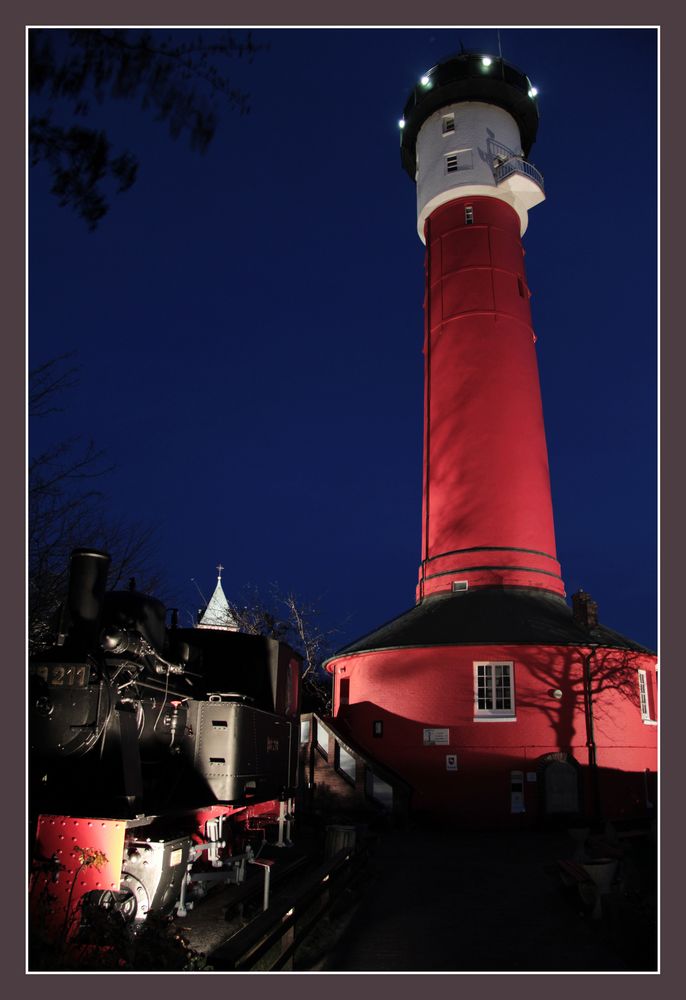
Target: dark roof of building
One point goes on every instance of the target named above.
(489, 615)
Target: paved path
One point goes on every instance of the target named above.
(440, 901)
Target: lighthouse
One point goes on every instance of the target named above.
(487, 512)
(492, 699)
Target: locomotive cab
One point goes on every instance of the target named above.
(128, 716)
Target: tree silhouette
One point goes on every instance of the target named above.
(66, 509)
(610, 672)
(285, 617)
(181, 78)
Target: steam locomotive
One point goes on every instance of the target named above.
(161, 758)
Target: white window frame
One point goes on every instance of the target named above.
(378, 790)
(320, 734)
(459, 160)
(448, 124)
(494, 714)
(345, 763)
(644, 698)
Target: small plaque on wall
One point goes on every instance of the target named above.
(436, 737)
(531, 776)
(451, 762)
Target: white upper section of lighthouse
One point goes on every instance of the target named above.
(468, 149)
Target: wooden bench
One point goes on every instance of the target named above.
(573, 873)
(575, 876)
(601, 847)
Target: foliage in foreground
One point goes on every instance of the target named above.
(182, 78)
(109, 945)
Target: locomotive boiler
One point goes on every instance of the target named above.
(161, 758)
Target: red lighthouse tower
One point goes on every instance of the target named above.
(491, 698)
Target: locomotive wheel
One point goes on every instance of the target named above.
(126, 905)
(134, 887)
(122, 904)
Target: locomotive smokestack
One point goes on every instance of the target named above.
(85, 594)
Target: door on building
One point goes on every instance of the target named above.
(560, 788)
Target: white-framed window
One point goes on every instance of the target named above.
(322, 738)
(459, 159)
(378, 789)
(448, 124)
(644, 696)
(494, 690)
(345, 763)
(469, 215)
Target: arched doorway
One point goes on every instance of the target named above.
(558, 776)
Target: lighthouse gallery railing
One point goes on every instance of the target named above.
(518, 166)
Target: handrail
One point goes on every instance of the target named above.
(287, 920)
(382, 770)
(496, 148)
(517, 166)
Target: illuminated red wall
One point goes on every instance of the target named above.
(412, 689)
(487, 513)
(488, 522)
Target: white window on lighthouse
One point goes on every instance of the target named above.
(448, 124)
(644, 698)
(460, 159)
(493, 691)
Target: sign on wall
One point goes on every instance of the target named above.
(517, 792)
(436, 737)
(451, 762)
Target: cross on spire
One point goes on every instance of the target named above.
(219, 570)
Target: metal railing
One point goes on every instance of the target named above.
(270, 941)
(499, 151)
(516, 165)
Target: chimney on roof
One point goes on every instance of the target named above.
(584, 610)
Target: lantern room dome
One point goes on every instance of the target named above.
(469, 76)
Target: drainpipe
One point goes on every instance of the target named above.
(590, 736)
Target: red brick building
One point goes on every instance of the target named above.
(492, 699)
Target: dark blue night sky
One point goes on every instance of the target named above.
(248, 323)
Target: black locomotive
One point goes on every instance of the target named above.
(155, 751)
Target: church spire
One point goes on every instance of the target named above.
(217, 614)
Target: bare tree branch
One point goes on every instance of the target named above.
(67, 511)
(46, 382)
(286, 618)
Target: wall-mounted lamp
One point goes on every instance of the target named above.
(556, 693)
